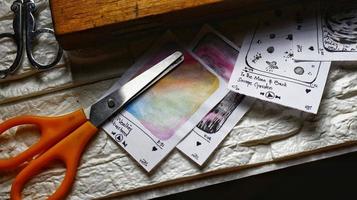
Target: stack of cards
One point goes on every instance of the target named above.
(285, 58)
(192, 99)
(266, 68)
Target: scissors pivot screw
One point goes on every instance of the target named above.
(111, 103)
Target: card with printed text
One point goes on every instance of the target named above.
(151, 126)
(212, 49)
(326, 31)
(266, 70)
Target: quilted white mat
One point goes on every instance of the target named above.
(267, 135)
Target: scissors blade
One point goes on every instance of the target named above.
(108, 105)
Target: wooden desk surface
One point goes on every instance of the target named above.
(86, 23)
(79, 15)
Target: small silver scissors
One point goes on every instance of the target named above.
(25, 33)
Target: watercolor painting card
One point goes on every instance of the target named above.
(214, 50)
(326, 32)
(151, 126)
(265, 68)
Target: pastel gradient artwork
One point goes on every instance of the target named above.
(165, 107)
(217, 54)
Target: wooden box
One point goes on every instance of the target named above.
(88, 23)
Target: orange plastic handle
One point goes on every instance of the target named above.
(69, 151)
(52, 130)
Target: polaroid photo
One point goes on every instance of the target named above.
(151, 126)
(265, 68)
(214, 50)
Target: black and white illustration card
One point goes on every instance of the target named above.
(212, 49)
(326, 32)
(266, 70)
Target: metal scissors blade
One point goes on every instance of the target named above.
(107, 106)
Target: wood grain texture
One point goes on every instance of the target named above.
(87, 23)
(78, 15)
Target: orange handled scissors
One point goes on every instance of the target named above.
(64, 138)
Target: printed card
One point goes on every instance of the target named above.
(151, 126)
(326, 32)
(265, 68)
(213, 50)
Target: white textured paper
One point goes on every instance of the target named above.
(326, 32)
(212, 49)
(154, 123)
(265, 68)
